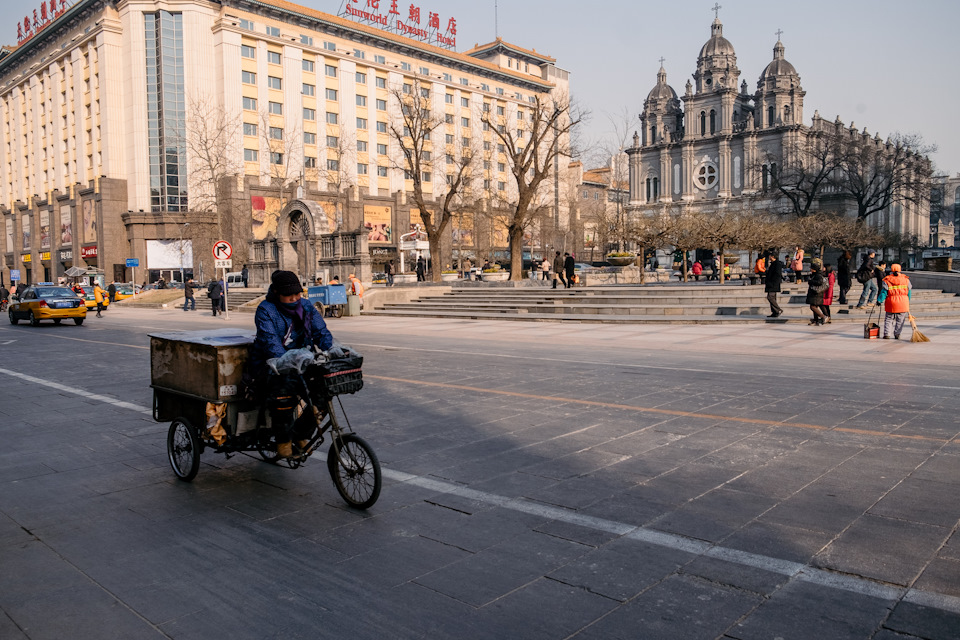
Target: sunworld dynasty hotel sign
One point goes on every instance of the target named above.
(408, 21)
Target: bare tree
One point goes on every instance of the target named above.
(284, 147)
(649, 231)
(805, 169)
(413, 131)
(532, 147)
(683, 233)
(722, 228)
(334, 171)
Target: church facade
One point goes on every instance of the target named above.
(720, 145)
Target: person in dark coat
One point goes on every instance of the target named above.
(285, 321)
(844, 279)
(421, 269)
(772, 285)
(816, 286)
(112, 292)
(214, 291)
(569, 265)
(223, 296)
(388, 271)
(558, 270)
(244, 273)
(866, 275)
(188, 299)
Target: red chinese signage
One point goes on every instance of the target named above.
(49, 11)
(88, 252)
(426, 30)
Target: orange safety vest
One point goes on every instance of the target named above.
(357, 287)
(761, 266)
(898, 300)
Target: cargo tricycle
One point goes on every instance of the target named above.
(197, 381)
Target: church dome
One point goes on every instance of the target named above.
(662, 91)
(778, 66)
(717, 45)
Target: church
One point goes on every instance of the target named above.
(720, 144)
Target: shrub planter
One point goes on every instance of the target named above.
(447, 277)
(496, 275)
(622, 261)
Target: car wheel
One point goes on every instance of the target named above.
(79, 321)
(57, 321)
(13, 318)
(34, 322)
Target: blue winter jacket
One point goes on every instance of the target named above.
(273, 326)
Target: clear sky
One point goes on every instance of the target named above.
(887, 66)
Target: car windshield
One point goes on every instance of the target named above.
(55, 292)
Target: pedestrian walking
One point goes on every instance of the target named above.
(895, 298)
(188, 299)
(214, 291)
(715, 269)
(4, 297)
(388, 271)
(844, 281)
(816, 286)
(797, 264)
(570, 266)
(467, 269)
(112, 292)
(98, 295)
(866, 277)
(772, 285)
(558, 270)
(545, 269)
(831, 278)
(244, 273)
(421, 269)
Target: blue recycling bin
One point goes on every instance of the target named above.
(327, 294)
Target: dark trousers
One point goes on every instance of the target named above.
(99, 308)
(774, 306)
(825, 310)
(215, 305)
(569, 279)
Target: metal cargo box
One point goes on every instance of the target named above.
(203, 364)
(327, 294)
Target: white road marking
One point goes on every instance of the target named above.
(793, 570)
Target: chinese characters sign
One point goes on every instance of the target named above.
(426, 26)
(48, 11)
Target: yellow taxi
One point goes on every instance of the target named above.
(40, 302)
(124, 291)
(90, 300)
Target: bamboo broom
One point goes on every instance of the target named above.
(917, 334)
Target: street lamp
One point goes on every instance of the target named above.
(182, 227)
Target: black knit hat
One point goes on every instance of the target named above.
(285, 283)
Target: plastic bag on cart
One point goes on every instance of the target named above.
(295, 360)
(338, 350)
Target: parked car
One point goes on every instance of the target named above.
(234, 279)
(47, 303)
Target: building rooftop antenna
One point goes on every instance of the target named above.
(496, 20)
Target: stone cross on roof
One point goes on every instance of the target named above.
(662, 60)
(716, 10)
(779, 33)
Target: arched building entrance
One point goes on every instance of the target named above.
(301, 223)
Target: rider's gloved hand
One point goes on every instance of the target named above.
(335, 351)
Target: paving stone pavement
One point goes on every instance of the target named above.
(557, 481)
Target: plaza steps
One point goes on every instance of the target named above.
(236, 297)
(646, 304)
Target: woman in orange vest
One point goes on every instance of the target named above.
(356, 287)
(760, 268)
(895, 297)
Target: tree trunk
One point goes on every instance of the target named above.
(434, 264)
(683, 265)
(723, 267)
(643, 264)
(516, 252)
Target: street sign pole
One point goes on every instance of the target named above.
(226, 306)
(222, 250)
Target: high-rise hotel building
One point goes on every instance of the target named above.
(112, 113)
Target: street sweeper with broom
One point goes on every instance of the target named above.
(895, 298)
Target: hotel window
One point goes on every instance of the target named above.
(465, 141)
(405, 66)
(500, 148)
(449, 138)
(382, 172)
(486, 126)
(307, 40)
(361, 145)
(248, 77)
(381, 105)
(361, 169)
(250, 155)
(501, 128)
(486, 184)
(449, 159)
(379, 59)
(448, 118)
(249, 129)
(427, 177)
(424, 71)
(486, 107)
(273, 57)
(464, 102)
(308, 65)
(331, 117)
(486, 165)
(310, 162)
(464, 82)
(249, 104)
(447, 77)
(275, 32)
(309, 138)
(361, 123)
(381, 127)
(519, 133)
(359, 55)
(276, 158)
(361, 78)
(333, 142)
(519, 115)
(427, 156)
(309, 114)
(382, 149)
(275, 108)
(333, 165)
(464, 122)
(361, 101)
(501, 167)
(247, 51)
(407, 88)
(448, 98)
(276, 133)
(330, 46)
(484, 87)
(500, 111)
(499, 91)
(246, 24)
(331, 94)
(309, 89)
(501, 186)
(425, 92)
(381, 83)
(330, 71)
(274, 82)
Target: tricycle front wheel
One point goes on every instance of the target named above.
(355, 470)
(183, 449)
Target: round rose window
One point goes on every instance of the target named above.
(706, 175)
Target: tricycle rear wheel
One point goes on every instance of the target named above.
(183, 449)
(355, 470)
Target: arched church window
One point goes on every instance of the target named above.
(770, 114)
(956, 206)
(713, 121)
(703, 123)
(765, 178)
(786, 114)
(736, 116)
(648, 189)
(653, 134)
(656, 189)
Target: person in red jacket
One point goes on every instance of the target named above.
(895, 298)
